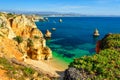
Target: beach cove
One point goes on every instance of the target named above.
(73, 37)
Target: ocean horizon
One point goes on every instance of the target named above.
(73, 38)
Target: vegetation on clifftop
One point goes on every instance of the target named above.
(106, 64)
(17, 72)
(19, 39)
(111, 41)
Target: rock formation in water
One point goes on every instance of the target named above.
(48, 34)
(96, 33)
(19, 36)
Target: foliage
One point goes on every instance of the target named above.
(0, 14)
(106, 64)
(36, 37)
(28, 70)
(10, 15)
(18, 72)
(111, 41)
(1, 25)
(4, 62)
(19, 39)
(29, 42)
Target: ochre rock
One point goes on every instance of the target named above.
(48, 34)
(33, 43)
(4, 24)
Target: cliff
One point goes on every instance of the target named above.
(102, 66)
(11, 71)
(20, 38)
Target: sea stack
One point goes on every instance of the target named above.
(48, 34)
(96, 33)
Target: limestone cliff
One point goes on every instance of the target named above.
(20, 36)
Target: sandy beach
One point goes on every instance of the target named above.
(49, 67)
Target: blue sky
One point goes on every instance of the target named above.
(91, 7)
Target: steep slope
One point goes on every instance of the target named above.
(19, 35)
(102, 66)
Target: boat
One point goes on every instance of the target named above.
(96, 33)
(60, 21)
(53, 29)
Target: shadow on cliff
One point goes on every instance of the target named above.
(61, 73)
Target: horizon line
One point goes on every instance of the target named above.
(72, 13)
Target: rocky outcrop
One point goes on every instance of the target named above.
(4, 25)
(75, 74)
(96, 33)
(95, 67)
(97, 49)
(25, 38)
(48, 34)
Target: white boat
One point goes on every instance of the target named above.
(53, 29)
(60, 21)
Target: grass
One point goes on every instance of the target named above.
(28, 70)
(19, 72)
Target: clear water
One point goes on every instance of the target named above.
(74, 36)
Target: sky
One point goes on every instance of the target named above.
(88, 7)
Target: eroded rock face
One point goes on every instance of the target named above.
(75, 74)
(6, 28)
(28, 39)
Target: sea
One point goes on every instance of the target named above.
(73, 37)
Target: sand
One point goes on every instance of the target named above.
(52, 67)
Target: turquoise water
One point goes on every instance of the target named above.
(74, 36)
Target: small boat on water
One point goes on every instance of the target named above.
(60, 21)
(53, 29)
(96, 33)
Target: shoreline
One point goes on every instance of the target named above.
(53, 67)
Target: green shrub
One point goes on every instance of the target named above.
(1, 25)
(19, 39)
(111, 41)
(29, 42)
(106, 64)
(36, 37)
(28, 70)
(10, 15)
